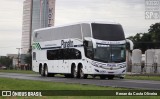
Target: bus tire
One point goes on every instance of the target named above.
(46, 72)
(42, 71)
(102, 76)
(73, 72)
(40, 68)
(80, 72)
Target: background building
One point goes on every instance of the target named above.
(36, 14)
(26, 26)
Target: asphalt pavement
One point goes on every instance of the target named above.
(122, 83)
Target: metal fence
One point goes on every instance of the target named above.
(145, 68)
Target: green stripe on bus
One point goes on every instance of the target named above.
(36, 46)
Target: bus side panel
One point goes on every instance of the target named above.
(50, 65)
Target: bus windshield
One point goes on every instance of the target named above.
(110, 53)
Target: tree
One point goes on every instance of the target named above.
(145, 42)
(148, 40)
(28, 59)
(155, 32)
(136, 40)
(6, 61)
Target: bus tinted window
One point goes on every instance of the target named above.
(52, 55)
(88, 48)
(60, 54)
(74, 54)
(112, 32)
(34, 55)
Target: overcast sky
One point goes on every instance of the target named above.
(129, 13)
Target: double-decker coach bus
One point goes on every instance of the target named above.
(79, 50)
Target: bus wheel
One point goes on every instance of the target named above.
(110, 76)
(42, 71)
(102, 77)
(73, 72)
(46, 72)
(81, 74)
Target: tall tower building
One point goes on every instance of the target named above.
(26, 26)
(36, 14)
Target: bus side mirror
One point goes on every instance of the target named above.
(94, 43)
(85, 44)
(129, 44)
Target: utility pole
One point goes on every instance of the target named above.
(18, 55)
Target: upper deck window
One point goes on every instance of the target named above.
(111, 32)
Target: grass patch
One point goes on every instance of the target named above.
(18, 84)
(145, 77)
(18, 71)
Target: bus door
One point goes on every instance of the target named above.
(89, 53)
(65, 67)
(60, 62)
(35, 64)
(52, 56)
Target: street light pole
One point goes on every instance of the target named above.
(18, 55)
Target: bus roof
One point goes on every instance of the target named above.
(102, 30)
(84, 22)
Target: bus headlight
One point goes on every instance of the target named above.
(94, 64)
(122, 66)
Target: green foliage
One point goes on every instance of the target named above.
(155, 34)
(139, 77)
(17, 84)
(148, 40)
(18, 71)
(28, 59)
(5, 61)
(155, 29)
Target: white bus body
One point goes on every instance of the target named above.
(79, 50)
